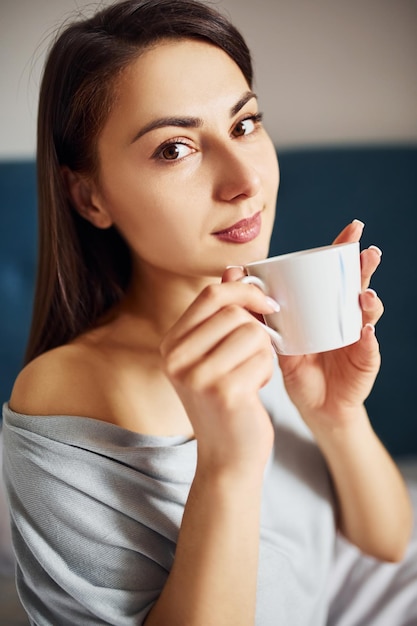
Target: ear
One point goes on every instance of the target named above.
(83, 196)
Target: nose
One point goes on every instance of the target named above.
(236, 175)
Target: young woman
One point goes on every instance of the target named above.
(161, 467)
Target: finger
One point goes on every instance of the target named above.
(241, 346)
(211, 300)
(367, 355)
(233, 273)
(257, 370)
(237, 272)
(206, 337)
(372, 307)
(370, 259)
(351, 232)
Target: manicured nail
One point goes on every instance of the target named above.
(356, 221)
(369, 300)
(273, 304)
(235, 267)
(370, 327)
(377, 250)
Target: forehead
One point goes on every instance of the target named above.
(184, 77)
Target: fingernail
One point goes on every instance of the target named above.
(235, 267)
(273, 304)
(356, 221)
(371, 292)
(370, 327)
(377, 250)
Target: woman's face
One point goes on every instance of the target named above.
(187, 173)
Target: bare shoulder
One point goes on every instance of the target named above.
(99, 377)
(62, 381)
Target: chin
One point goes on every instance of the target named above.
(257, 252)
(245, 255)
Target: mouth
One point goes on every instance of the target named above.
(243, 231)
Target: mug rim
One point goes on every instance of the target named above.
(299, 253)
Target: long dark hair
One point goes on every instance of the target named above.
(83, 270)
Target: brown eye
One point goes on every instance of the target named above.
(240, 129)
(171, 152)
(247, 126)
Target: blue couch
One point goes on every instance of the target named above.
(321, 190)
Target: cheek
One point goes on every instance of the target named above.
(272, 167)
(153, 223)
(271, 176)
(128, 201)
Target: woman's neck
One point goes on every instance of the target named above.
(159, 298)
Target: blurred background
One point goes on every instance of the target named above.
(337, 82)
(326, 72)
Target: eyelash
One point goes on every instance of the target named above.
(255, 118)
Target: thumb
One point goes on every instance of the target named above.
(233, 273)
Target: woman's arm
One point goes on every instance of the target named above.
(218, 357)
(213, 579)
(329, 390)
(375, 512)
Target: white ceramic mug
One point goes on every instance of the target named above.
(318, 294)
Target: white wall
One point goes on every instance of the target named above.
(327, 70)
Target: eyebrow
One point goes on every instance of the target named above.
(190, 122)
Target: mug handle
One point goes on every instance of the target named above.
(275, 337)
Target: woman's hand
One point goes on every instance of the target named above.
(218, 357)
(328, 388)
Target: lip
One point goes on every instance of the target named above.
(243, 231)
